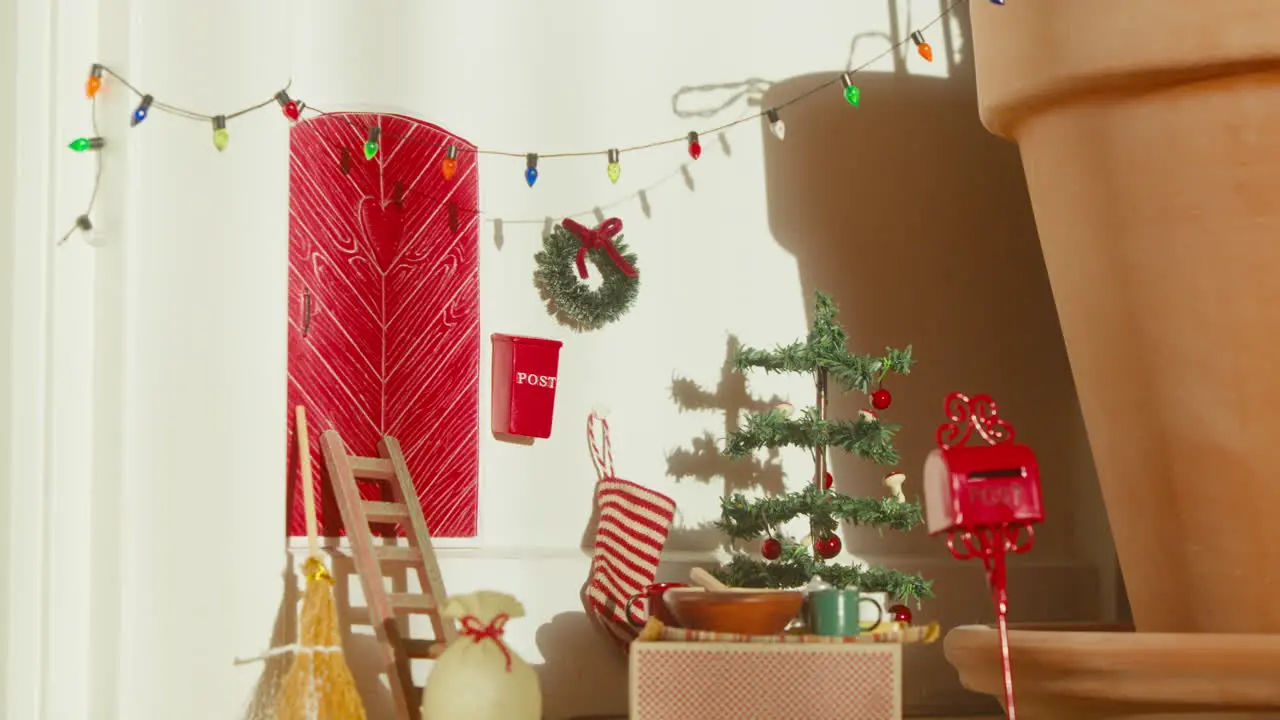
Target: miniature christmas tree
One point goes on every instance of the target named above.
(787, 563)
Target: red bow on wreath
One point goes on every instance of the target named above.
(600, 238)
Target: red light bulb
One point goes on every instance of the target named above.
(288, 106)
(695, 147)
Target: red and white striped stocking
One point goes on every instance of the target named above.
(634, 522)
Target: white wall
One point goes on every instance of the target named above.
(891, 207)
(8, 183)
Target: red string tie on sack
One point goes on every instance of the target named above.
(475, 629)
(600, 238)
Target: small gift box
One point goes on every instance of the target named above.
(741, 680)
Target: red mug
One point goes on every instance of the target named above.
(652, 594)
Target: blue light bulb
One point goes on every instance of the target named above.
(140, 112)
(531, 168)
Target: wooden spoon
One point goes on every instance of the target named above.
(706, 580)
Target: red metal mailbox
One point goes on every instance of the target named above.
(981, 486)
(525, 375)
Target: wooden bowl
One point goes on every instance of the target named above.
(747, 611)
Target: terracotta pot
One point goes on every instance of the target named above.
(1149, 132)
(1072, 672)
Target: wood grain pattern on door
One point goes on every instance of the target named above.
(384, 318)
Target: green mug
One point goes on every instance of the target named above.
(837, 612)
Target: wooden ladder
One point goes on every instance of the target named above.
(371, 559)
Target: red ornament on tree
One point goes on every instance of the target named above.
(828, 547)
(827, 480)
(771, 549)
(880, 399)
(900, 613)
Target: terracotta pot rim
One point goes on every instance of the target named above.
(1065, 626)
(1018, 77)
(1122, 674)
(1114, 638)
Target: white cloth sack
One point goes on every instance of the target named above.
(478, 677)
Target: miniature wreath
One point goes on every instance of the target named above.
(571, 244)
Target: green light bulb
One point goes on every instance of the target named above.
(850, 90)
(371, 142)
(84, 143)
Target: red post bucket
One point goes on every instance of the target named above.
(525, 375)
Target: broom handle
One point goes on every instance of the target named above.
(308, 485)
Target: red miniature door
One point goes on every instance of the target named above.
(384, 317)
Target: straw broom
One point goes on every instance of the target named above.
(319, 685)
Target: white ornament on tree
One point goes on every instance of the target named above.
(894, 481)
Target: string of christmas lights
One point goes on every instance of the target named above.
(294, 111)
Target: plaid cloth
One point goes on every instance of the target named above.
(633, 527)
(655, 631)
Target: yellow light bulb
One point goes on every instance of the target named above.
(615, 168)
(220, 135)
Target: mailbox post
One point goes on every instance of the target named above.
(986, 498)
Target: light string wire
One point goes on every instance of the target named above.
(84, 223)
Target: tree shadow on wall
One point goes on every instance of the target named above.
(702, 461)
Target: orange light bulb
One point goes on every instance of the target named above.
(450, 164)
(94, 83)
(922, 47)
